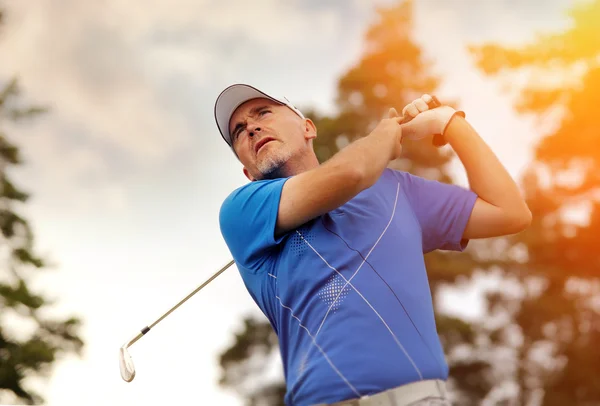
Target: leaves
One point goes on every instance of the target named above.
(579, 44)
(474, 382)
(255, 337)
(13, 296)
(19, 359)
(64, 333)
(10, 91)
(455, 330)
(9, 104)
(561, 253)
(12, 225)
(11, 192)
(9, 153)
(25, 256)
(35, 355)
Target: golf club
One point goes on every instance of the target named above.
(125, 362)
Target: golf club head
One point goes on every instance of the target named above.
(126, 365)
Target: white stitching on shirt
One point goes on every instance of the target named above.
(365, 299)
(362, 263)
(319, 348)
(372, 308)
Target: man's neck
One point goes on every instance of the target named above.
(293, 167)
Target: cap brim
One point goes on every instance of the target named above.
(230, 99)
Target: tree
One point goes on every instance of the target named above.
(556, 321)
(34, 355)
(392, 72)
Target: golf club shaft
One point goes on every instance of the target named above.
(147, 328)
(434, 103)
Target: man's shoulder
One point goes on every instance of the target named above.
(250, 196)
(408, 179)
(252, 187)
(411, 186)
(392, 175)
(398, 174)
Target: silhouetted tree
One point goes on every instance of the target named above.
(32, 356)
(555, 330)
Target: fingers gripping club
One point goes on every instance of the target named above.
(438, 139)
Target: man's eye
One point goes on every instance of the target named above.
(236, 133)
(263, 112)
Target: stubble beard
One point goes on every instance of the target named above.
(273, 165)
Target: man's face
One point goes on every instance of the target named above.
(265, 135)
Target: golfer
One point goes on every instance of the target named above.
(332, 253)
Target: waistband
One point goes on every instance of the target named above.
(401, 396)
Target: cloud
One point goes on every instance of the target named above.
(102, 63)
(71, 58)
(131, 84)
(506, 21)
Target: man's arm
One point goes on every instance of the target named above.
(353, 169)
(500, 208)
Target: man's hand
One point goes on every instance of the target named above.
(425, 121)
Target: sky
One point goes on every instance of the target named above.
(128, 171)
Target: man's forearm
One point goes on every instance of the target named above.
(328, 186)
(487, 176)
(370, 155)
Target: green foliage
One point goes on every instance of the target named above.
(256, 338)
(391, 73)
(559, 311)
(11, 109)
(50, 338)
(246, 358)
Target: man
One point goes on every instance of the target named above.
(332, 253)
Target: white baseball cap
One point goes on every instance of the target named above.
(236, 95)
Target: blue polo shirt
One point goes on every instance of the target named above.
(347, 293)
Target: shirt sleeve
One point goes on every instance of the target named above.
(247, 219)
(442, 211)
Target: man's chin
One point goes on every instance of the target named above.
(272, 167)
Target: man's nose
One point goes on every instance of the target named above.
(253, 129)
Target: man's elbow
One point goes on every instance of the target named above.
(520, 221)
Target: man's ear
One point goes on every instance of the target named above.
(250, 177)
(310, 129)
